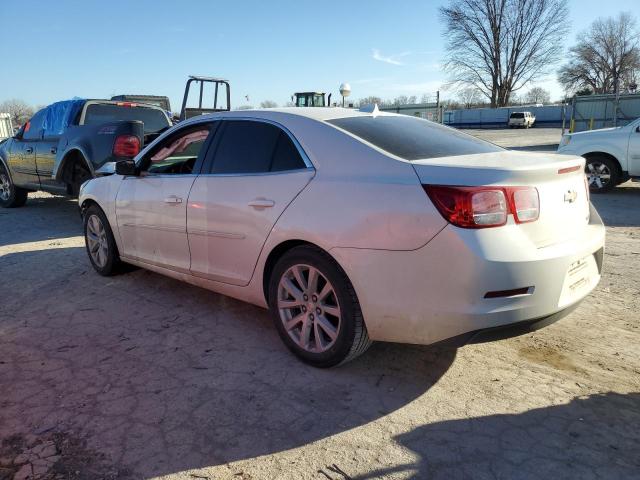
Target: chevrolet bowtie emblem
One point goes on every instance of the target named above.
(570, 196)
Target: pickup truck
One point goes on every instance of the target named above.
(612, 154)
(69, 142)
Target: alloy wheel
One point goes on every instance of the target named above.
(309, 308)
(598, 174)
(97, 241)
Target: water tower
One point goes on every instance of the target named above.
(345, 91)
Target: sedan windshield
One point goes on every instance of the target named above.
(412, 138)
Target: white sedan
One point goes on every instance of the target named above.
(612, 154)
(353, 226)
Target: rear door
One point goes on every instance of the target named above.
(151, 208)
(253, 171)
(46, 151)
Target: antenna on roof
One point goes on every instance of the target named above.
(370, 108)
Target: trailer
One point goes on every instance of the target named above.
(592, 112)
(546, 116)
(6, 127)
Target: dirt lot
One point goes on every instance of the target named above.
(140, 376)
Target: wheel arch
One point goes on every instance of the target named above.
(276, 254)
(73, 154)
(596, 154)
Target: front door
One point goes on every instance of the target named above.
(634, 150)
(151, 208)
(22, 158)
(245, 186)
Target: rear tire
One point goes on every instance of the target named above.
(602, 173)
(100, 243)
(10, 195)
(315, 308)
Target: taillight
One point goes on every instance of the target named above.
(483, 207)
(525, 203)
(126, 146)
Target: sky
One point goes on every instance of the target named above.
(57, 49)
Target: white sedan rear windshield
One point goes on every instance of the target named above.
(412, 138)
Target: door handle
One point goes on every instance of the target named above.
(53, 150)
(28, 150)
(173, 200)
(260, 203)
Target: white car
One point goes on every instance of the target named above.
(613, 154)
(353, 226)
(521, 119)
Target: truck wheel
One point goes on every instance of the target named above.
(80, 175)
(602, 173)
(315, 308)
(10, 195)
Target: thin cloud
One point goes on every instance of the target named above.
(390, 59)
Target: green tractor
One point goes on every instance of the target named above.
(312, 99)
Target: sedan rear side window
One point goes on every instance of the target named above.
(412, 138)
(254, 147)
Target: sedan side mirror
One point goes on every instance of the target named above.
(126, 167)
(638, 129)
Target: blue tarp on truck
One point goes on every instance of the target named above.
(60, 115)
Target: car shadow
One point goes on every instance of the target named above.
(161, 377)
(590, 437)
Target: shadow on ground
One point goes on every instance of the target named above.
(620, 207)
(590, 437)
(161, 377)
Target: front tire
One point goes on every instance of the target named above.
(100, 243)
(315, 308)
(10, 195)
(602, 173)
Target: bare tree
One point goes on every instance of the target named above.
(245, 107)
(268, 104)
(498, 46)
(451, 105)
(606, 57)
(469, 97)
(404, 100)
(370, 101)
(537, 95)
(19, 111)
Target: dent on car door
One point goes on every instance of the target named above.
(244, 188)
(151, 207)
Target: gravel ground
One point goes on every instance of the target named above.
(140, 376)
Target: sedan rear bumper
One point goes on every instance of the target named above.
(464, 283)
(511, 330)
